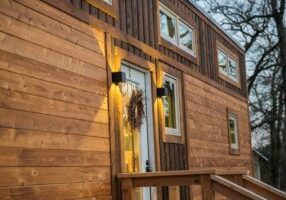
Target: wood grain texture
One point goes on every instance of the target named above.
(208, 143)
(54, 90)
(54, 127)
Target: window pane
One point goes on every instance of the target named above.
(167, 26)
(222, 62)
(169, 105)
(232, 131)
(186, 36)
(232, 69)
(108, 1)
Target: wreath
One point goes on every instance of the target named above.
(135, 109)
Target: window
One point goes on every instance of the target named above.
(232, 64)
(109, 7)
(185, 37)
(233, 132)
(176, 31)
(227, 65)
(222, 62)
(171, 106)
(168, 26)
(108, 1)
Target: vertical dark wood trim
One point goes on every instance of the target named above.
(146, 23)
(134, 10)
(129, 17)
(140, 20)
(151, 22)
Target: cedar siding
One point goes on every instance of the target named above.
(57, 124)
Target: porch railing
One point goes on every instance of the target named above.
(234, 185)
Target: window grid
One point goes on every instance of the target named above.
(233, 131)
(228, 70)
(178, 22)
(174, 130)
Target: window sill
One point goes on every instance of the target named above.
(229, 80)
(234, 152)
(165, 43)
(110, 9)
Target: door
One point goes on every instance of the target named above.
(137, 145)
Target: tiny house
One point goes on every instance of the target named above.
(120, 99)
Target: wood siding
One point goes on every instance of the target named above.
(54, 97)
(53, 101)
(138, 19)
(208, 140)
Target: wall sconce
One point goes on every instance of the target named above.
(162, 92)
(118, 77)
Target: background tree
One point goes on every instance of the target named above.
(259, 25)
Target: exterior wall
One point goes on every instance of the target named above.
(53, 80)
(53, 102)
(138, 19)
(208, 142)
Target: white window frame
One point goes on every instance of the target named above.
(228, 57)
(234, 118)
(190, 29)
(178, 20)
(174, 131)
(172, 15)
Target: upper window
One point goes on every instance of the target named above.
(227, 65)
(176, 31)
(171, 106)
(108, 1)
(109, 7)
(186, 36)
(233, 132)
(168, 26)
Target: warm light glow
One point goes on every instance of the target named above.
(100, 38)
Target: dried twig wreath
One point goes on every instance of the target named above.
(135, 109)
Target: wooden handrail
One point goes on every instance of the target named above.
(232, 190)
(164, 173)
(263, 189)
(187, 177)
(211, 181)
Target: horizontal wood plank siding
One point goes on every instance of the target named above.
(208, 140)
(53, 102)
(54, 127)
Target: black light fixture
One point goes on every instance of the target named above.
(118, 77)
(162, 91)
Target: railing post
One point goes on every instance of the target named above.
(127, 189)
(207, 187)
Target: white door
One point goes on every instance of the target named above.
(138, 147)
